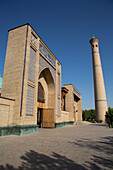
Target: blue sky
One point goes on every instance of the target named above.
(66, 26)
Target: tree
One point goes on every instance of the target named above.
(109, 116)
(88, 115)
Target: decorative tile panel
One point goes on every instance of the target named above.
(32, 59)
(43, 50)
(30, 100)
(44, 64)
(33, 39)
(58, 107)
(58, 84)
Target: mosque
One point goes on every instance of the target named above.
(31, 96)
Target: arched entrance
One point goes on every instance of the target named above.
(40, 104)
(46, 99)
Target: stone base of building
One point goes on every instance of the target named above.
(61, 124)
(18, 130)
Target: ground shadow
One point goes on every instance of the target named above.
(33, 160)
(99, 124)
(98, 162)
(102, 152)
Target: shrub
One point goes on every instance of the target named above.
(109, 117)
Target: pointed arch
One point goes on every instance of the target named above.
(47, 81)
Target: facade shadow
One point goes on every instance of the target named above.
(33, 161)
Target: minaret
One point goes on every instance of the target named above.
(99, 88)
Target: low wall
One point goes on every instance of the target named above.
(6, 111)
(61, 124)
(18, 130)
(64, 117)
(63, 120)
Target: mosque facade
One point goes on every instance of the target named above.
(31, 94)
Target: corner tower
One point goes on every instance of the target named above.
(99, 88)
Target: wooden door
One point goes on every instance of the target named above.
(48, 118)
(39, 117)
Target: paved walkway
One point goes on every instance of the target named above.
(72, 147)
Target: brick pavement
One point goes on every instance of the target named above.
(72, 147)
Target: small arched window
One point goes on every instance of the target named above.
(93, 46)
(96, 45)
(40, 93)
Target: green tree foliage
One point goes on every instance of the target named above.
(109, 116)
(89, 115)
